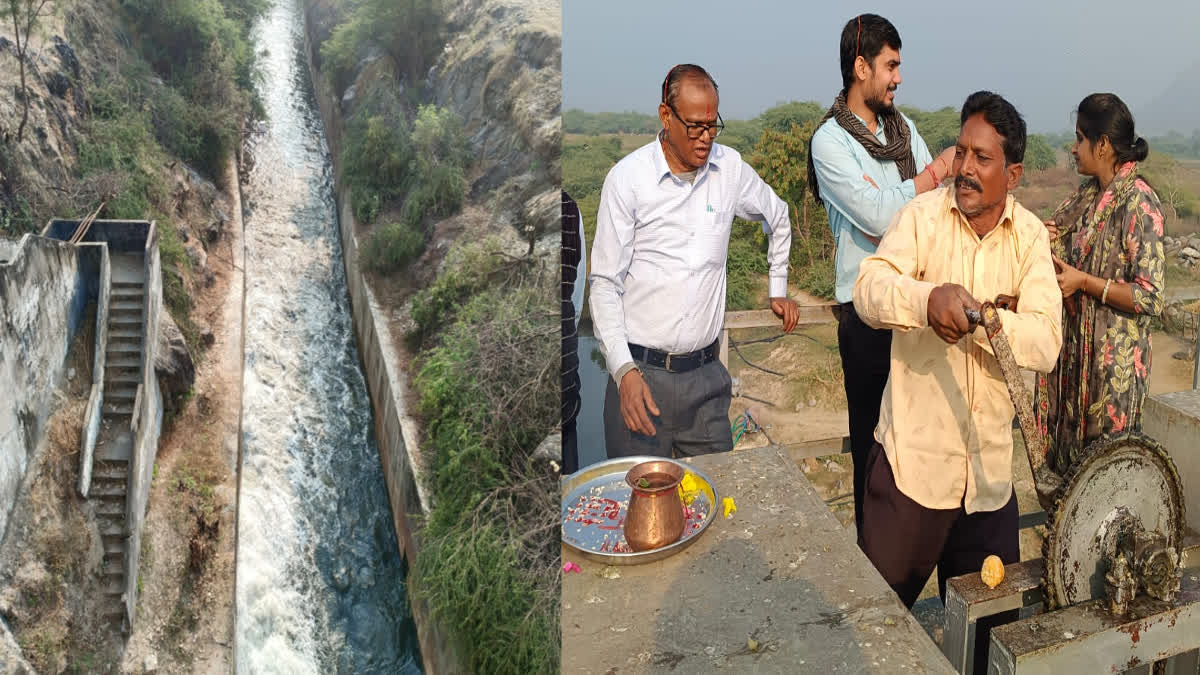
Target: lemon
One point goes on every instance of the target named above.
(992, 572)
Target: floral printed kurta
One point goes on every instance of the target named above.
(1099, 385)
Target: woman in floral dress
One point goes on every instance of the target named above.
(1108, 252)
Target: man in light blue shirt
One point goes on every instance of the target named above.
(866, 160)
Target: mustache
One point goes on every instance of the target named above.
(961, 181)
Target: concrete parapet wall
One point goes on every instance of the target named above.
(1174, 420)
(43, 294)
(149, 418)
(122, 236)
(91, 418)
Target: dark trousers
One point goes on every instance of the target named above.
(570, 400)
(905, 540)
(694, 419)
(866, 359)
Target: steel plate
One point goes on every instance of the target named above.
(594, 500)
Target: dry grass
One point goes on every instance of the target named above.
(56, 614)
(808, 359)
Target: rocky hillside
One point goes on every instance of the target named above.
(502, 73)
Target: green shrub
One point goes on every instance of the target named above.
(201, 49)
(408, 32)
(486, 406)
(202, 137)
(392, 247)
(467, 269)
(377, 163)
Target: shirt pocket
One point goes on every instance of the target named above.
(712, 239)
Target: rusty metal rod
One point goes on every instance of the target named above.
(1045, 481)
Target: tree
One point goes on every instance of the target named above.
(1168, 181)
(407, 31)
(1039, 154)
(781, 159)
(26, 17)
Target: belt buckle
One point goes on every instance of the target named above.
(667, 364)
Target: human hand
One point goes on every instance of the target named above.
(946, 312)
(788, 311)
(944, 163)
(1070, 279)
(1052, 228)
(636, 402)
(1008, 302)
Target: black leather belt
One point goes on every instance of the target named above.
(674, 363)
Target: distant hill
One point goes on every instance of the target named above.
(1175, 108)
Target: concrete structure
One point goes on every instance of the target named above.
(1087, 638)
(45, 288)
(782, 572)
(125, 392)
(1174, 420)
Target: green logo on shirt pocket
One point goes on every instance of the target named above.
(710, 208)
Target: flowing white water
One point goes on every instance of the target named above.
(320, 583)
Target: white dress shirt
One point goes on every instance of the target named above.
(658, 258)
(580, 274)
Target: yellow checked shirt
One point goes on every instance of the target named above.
(946, 418)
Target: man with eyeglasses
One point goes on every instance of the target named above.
(866, 161)
(658, 275)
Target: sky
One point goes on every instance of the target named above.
(1042, 55)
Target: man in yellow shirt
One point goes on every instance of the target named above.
(939, 477)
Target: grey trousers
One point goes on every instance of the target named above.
(694, 419)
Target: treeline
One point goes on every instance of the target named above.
(775, 143)
(939, 128)
(1177, 144)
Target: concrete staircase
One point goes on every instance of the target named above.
(110, 467)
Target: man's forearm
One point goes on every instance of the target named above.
(608, 320)
(885, 298)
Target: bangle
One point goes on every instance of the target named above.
(1104, 295)
(932, 174)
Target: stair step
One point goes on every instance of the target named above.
(123, 361)
(123, 320)
(127, 284)
(107, 476)
(122, 348)
(112, 467)
(108, 490)
(115, 587)
(110, 508)
(113, 522)
(116, 618)
(123, 380)
(111, 479)
(127, 333)
(112, 537)
(121, 390)
(133, 291)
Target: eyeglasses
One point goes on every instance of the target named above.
(695, 131)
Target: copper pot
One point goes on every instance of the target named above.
(654, 517)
